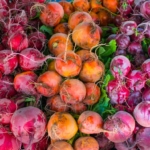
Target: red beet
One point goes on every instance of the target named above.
(117, 91)
(120, 66)
(41, 145)
(28, 124)
(21, 18)
(7, 108)
(144, 9)
(136, 80)
(142, 138)
(135, 97)
(8, 140)
(8, 61)
(120, 127)
(146, 67)
(6, 87)
(146, 94)
(17, 41)
(141, 113)
(134, 48)
(128, 27)
(24, 83)
(37, 40)
(31, 59)
(122, 41)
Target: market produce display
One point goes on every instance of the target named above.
(75, 75)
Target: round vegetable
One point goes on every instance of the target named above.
(55, 103)
(8, 62)
(92, 70)
(141, 113)
(7, 108)
(8, 140)
(92, 93)
(61, 126)
(72, 91)
(24, 83)
(77, 17)
(90, 122)
(59, 43)
(48, 83)
(142, 138)
(52, 14)
(83, 5)
(120, 126)
(60, 145)
(120, 66)
(86, 143)
(86, 35)
(28, 124)
(117, 91)
(68, 64)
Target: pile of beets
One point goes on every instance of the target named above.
(52, 71)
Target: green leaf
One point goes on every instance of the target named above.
(103, 107)
(77, 135)
(99, 2)
(114, 30)
(145, 44)
(108, 112)
(65, 18)
(107, 50)
(71, 141)
(124, 5)
(110, 48)
(111, 29)
(130, 57)
(37, 14)
(107, 64)
(101, 50)
(148, 82)
(47, 30)
(30, 99)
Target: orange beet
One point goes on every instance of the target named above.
(72, 91)
(59, 43)
(51, 66)
(95, 17)
(86, 143)
(86, 55)
(69, 64)
(112, 5)
(78, 17)
(96, 5)
(55, 103)
(48, 83)
(60, 145)
(90, 122)
(61, 126)
(52, 14)
(92, 70)
(81, 5)
(67, 6)
(104, 17)
(78, 108)
(86, 35)
(92, 93)
(62, 28)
